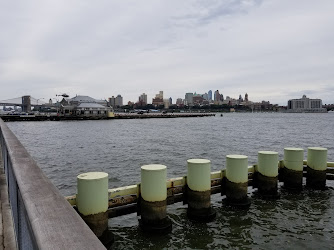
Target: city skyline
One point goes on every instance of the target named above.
(273, 50)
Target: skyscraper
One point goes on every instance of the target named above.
(189, 99)
(210, 95)
(143, 99)
(217, 96)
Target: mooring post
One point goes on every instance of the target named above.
(92, 200)
(199, 190)
(316, 167)
(153, 202)
(267, 176)
(237, 180)
(293, 168)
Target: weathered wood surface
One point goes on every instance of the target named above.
(55, 224)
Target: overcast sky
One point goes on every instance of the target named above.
(274, 50)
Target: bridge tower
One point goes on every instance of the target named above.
(26, 103)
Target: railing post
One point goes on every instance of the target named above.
(153, 201)
(92, 200)
(199, 190)
(237, 180)
(293, 168)
(316, 167)
(267, 175)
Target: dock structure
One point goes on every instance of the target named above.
(60, 117)
(124, 200)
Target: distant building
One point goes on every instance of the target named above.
(159, 99)
(84, 106)
(179, 101)
(205, 96)
(112, 102)
(305, 105)
(142, 99)
(189, 99)
(246, 97)
(210, 95)
(119, 101)
(198, 99)
(166, 103)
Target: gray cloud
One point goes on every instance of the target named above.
(274, 50)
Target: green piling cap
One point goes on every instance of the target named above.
(199, 174)
(92, 196)
(268, 163)
(237, 168)
(153, 182)
(317, 158)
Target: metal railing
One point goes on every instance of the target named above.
(42, 218)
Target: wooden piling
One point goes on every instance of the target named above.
(199, 190)
(153, 201)
(316, 168)
(293, 168)
(237, 180)
(267, 175)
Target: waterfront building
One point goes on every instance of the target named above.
(84, 106)
(189, 99)
(119, 101)
(305, 105)
(112, 102)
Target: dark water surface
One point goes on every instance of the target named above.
(119, 147)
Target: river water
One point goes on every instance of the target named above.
(65, 149)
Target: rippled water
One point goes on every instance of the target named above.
(65, 149)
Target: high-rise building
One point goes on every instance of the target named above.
(170, 101)
(210, 95)
(159, 99)
(119, 101)
(189, 99)
(143, 99)
(246, 97)
(205, 96)
(217, 96)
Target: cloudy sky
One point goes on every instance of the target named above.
(272, 49)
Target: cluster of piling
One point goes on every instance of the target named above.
(150, 198)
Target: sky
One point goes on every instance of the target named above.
(274, 50)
